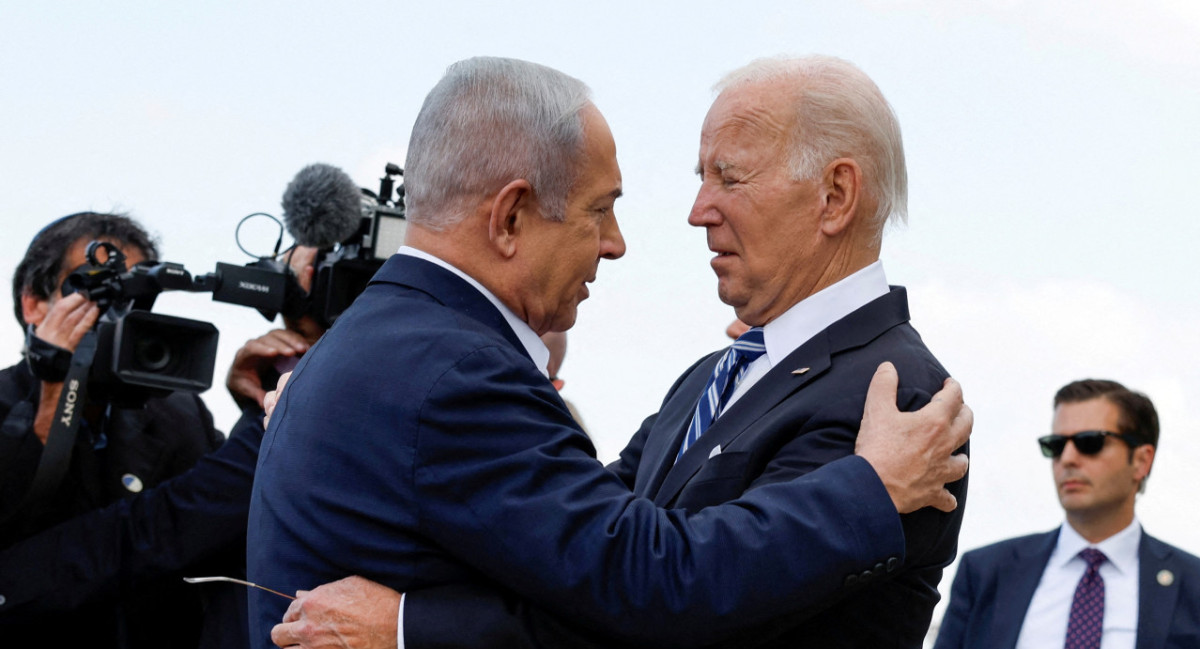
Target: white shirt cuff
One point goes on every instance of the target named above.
(400, 624)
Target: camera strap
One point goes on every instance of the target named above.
(56, 455)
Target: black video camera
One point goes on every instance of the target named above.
(139, 354)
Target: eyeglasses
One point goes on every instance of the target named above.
(1088, 442)
(205, 580)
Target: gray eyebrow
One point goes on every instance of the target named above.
(721, 165)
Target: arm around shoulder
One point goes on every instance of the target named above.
(627, 568)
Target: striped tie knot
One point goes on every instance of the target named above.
(750, 343)
(725, 377)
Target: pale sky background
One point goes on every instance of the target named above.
(1050, 148)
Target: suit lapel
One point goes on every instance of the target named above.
(770, 390)
(1158, 590)
(662, 444)
(803, 366)
(1015, 585)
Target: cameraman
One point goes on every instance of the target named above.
(111, 576)
(117, 452)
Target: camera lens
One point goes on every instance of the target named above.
(152, 354)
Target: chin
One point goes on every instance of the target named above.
(1074, 503)
(747, 315)
(730, 297)
(563, 322)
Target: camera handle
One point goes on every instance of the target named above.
(56, 456)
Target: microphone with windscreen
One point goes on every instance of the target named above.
(354, 229)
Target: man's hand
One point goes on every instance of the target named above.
(911, 451)
(261, 354)
(352, 613)
(272, 397)
(67, 320)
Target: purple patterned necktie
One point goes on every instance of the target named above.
(1087, 608)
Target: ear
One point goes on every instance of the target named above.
(33, 308)
(511, 207)
(1143, 460)
(841, 187)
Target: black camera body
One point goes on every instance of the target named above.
(140, 354)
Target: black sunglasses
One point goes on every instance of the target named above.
(1088, 442)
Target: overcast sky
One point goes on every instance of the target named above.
(1053, 150)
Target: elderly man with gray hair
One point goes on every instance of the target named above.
(779, 490)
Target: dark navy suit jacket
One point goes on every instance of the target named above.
(417, 445)
(805, 413)
(994, 585)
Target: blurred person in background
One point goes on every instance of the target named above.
(556, 343)
(1098, 581)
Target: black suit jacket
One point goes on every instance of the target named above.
(804, 414)
(994, 585)
(156, 443)
(191, 525)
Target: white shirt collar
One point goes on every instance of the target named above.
(531, 341)
(815, 313)
(1120, 548)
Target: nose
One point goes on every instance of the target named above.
(704, 213)
(612, 243)
(1070, 455)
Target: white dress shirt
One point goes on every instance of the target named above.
(1050, 608)
(529, 339)
(810, 316)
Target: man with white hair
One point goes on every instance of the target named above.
(801, 164)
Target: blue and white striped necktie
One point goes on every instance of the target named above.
(725, 377)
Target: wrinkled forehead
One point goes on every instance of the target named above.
(744, 117)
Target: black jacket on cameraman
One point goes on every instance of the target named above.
(140, 448)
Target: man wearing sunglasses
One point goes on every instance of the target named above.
(1098, 581)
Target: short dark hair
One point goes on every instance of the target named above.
(1137, 414)
(39, 270)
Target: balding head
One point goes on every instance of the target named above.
(838, 112)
